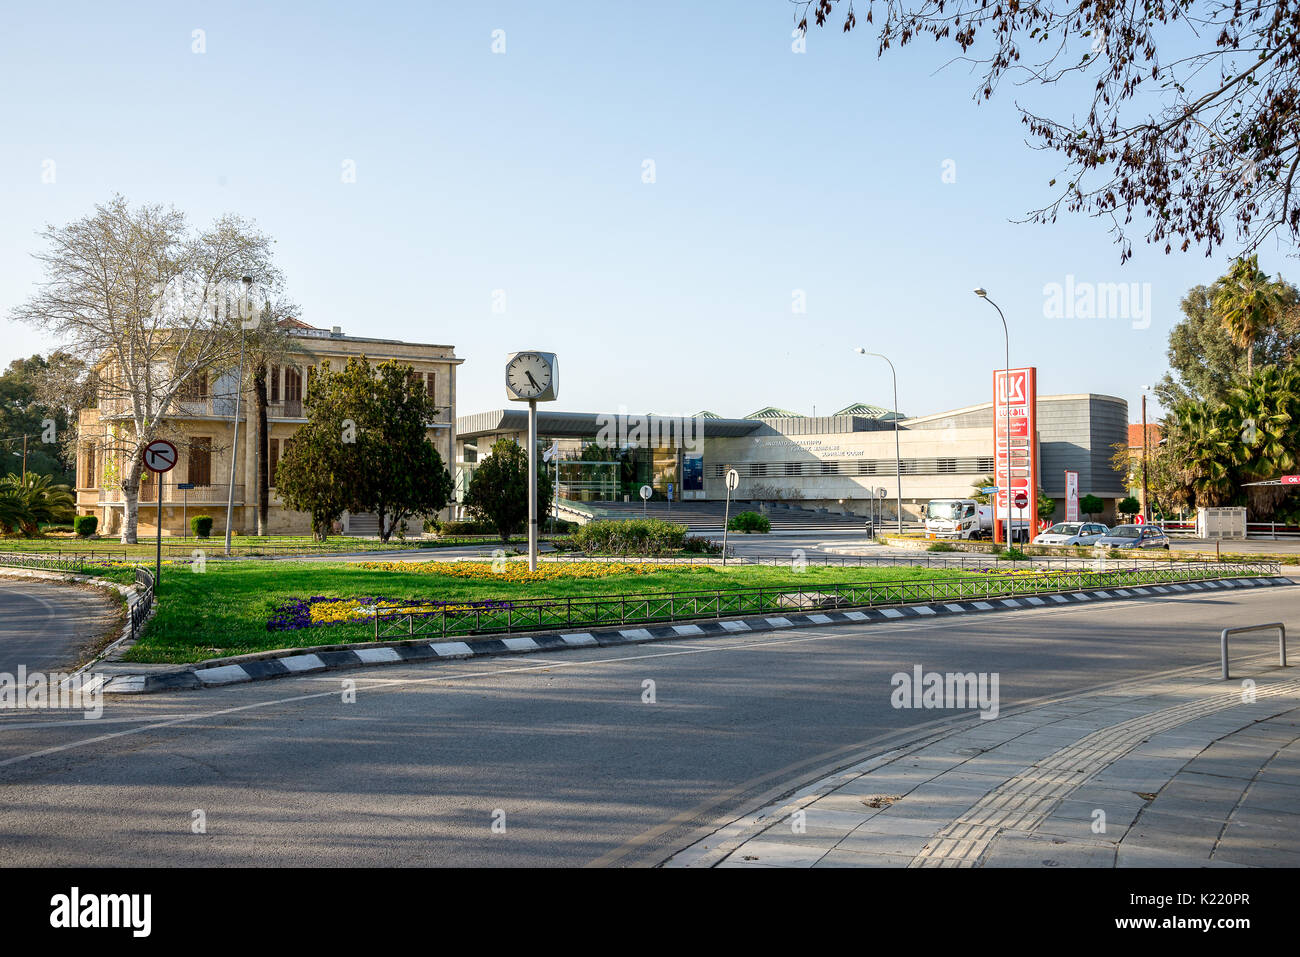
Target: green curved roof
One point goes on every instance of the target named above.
(867, 411)
(772, 412)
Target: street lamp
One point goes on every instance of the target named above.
(239, 392)
(898, 461)
(1006, 404)
(1146, 511)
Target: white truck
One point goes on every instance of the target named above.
(965, 518)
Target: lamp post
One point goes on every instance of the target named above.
(239, 392)
(1146, 511)
(898, 460)
(1006, 405)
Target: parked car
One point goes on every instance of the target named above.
(1134, 536)
(1071, 533)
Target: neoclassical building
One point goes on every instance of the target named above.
(201, 425)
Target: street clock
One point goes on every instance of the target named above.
(532, 377)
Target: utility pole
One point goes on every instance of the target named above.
(1146, 511)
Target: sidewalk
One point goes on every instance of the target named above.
(1174, 772)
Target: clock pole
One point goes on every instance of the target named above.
(532, 485)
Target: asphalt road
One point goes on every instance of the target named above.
(584, 770)
(48, 626)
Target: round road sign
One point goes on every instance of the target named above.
(733, 479)
(1140, 519)
(160, 456)
(646, 491)
(1022, 500)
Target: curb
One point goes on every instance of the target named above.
(265, 666)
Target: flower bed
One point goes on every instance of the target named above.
(513, 571)
(319, 610)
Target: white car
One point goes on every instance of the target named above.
(1072, 533)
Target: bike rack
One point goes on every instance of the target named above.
(1281, 646)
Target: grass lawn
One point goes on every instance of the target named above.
(224, 611)
(179, 546)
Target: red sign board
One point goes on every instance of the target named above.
(1139, 519)
(1015, 446)
(1291, 479)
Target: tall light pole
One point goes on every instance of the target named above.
(898, 460)
(1146, 511)
(239, 392)
(1006, 404)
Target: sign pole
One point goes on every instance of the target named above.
(532, 485)
(157, 558)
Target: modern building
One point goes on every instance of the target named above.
(844, 462)
(201, 426)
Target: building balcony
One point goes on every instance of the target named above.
(215, 494)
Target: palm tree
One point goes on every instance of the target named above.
(36, 501)
(1267, 406)
(1248, 303)
(1204, 445)
(14, 513)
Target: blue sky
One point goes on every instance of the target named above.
(775, 172)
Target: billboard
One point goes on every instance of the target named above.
(1015, 456)
(1071, 496)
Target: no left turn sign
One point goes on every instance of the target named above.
(160, 456)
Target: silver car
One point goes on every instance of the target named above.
(1071, 533)
(1135, 536)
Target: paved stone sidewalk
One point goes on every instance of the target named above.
(1174, 772)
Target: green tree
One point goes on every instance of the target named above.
(23, 413)
(406, 476)
(983, 498)
(498, 492)
(1128, 506)
(1249, 304)
(1091, 505)
(1266, 411)
(1205, 362)
(35, 502)
(1201, 441)
(365, 448)
(1046, 505)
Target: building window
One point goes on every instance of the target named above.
(793, 468)
(273, 384)
(194, 387)
(88, 467)
(431, 384)
(199, 468)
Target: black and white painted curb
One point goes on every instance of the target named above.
(307, 661)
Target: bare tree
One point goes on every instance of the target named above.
(147, 304)
(1207, 135)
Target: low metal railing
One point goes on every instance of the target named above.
(450, 620)
(139, 609)
(1247, 629)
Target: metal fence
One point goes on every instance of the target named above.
(139, 609)
(434, 619)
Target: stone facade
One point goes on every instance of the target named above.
(202, 428)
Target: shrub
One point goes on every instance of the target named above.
(201, 526)
(85, 525)
(699, 545)
(640, 536)
(749, 522)
(465, 527)
(941, 547)
(1014, 555)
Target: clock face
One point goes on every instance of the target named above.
(528, 375)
